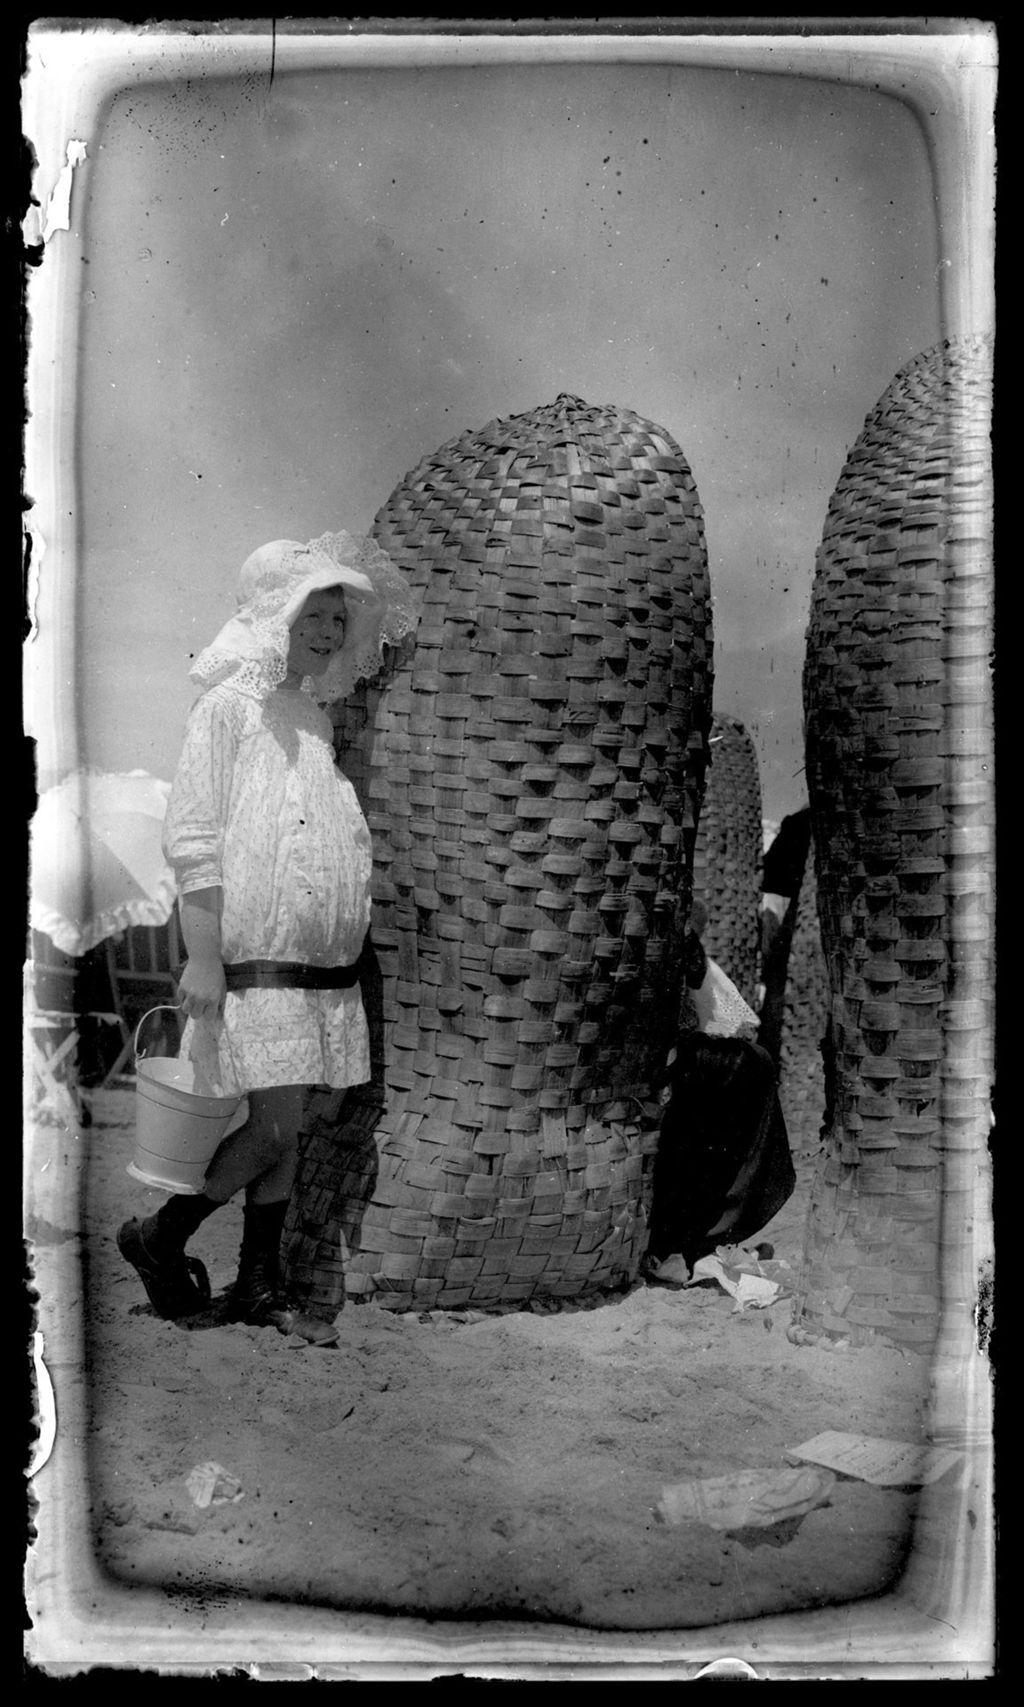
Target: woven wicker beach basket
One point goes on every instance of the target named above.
(532, 773)
(897, 702)
(805, 1019)
(728, 854)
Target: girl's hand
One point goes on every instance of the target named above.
(202, 988)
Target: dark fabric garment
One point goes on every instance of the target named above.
(723, 1166)
(783, 868)
(783, 874)
(774, 977)
(695, 961)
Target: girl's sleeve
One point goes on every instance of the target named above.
(197, 810)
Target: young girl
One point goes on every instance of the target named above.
(272, 857)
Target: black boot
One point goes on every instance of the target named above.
(257, 1296)
(176, 1285)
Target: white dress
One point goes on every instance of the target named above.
(260, 810)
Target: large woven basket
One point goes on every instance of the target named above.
(899, 745)
(728, 854)
(532, 774)
(805, 1019)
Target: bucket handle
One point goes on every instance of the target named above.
(171, 1008)
(162, 1007)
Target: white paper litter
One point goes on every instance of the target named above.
(751, 1291)
(211, 1484)
(883, 1463)
(748, 1499)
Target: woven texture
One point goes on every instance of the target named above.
(801, 1075)
(727, 855)
(897, 702)
(532, 774)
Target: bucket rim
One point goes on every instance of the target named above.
(178, 1188)
(205, 1107)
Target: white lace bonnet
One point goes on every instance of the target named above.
(274, 583)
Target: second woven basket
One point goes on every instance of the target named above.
(727, 855)
(807, 997)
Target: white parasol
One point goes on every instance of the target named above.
(97, 865)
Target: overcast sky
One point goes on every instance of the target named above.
(293, 294)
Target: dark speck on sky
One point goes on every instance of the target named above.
(271, 339)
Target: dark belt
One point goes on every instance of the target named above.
(288, 975)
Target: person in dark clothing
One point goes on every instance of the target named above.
(784, 861)
(783, 874)
(723, 1166)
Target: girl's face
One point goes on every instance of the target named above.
(316, 634)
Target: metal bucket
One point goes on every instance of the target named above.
(177, 1132)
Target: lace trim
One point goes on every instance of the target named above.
(396, 617)
(252, 648)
